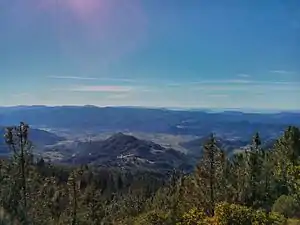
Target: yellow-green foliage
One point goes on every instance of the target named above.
(152, 218)
(293, 222)
(232, 214)
(294, 179)
(194, 217)
(138, 197)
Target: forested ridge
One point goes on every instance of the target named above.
(258, 186)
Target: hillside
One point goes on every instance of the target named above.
(120, 193)
(127, 151)
(194, 147)
(39, 138)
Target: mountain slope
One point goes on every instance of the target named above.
(128, 151)
(195, 147)
(39, 138)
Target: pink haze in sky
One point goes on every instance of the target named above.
(111, 27)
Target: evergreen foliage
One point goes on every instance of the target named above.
(259, 186)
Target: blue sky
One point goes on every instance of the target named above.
(171, 53)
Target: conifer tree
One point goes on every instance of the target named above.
(287, 152)
(17, 140)
(239, 178)
(208, 173)
(255, 162)
(95, 205)
(74, 189)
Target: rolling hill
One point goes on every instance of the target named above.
(195, 147)
(128, 151)
(39, 138)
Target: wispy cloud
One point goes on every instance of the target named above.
(250, 86)
(100, 88)
(22, 95)
(281, 71)
(245, 82)
(218, 95)
(237, 81)
(93, 78)
(212, 82)
(243, 75)
(213, 87)
(119, 96)
(72, 78)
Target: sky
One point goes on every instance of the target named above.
(171, 53)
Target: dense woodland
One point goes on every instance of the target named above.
(259, 186)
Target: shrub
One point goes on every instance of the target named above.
(232, 214)
(194, 217)
(287, 206)
(152, 218)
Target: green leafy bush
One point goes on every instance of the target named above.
(232, 214)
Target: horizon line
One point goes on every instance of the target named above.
(174, 108)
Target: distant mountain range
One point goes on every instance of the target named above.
(199, 123)
(62, 133)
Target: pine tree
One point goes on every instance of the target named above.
(255, 163)
(239, 178)
(208, 173)
(17, 140)
(94, 204)
(287, 152)
(74, 189)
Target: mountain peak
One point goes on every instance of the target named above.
(122, 137)
(127, 150)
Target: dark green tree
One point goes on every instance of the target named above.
(208, 173)
(17, 140)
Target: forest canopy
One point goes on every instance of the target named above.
(257, 186)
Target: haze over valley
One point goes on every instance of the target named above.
(134, 136)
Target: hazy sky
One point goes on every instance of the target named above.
(193, 53)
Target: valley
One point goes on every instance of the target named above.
(61, 134)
